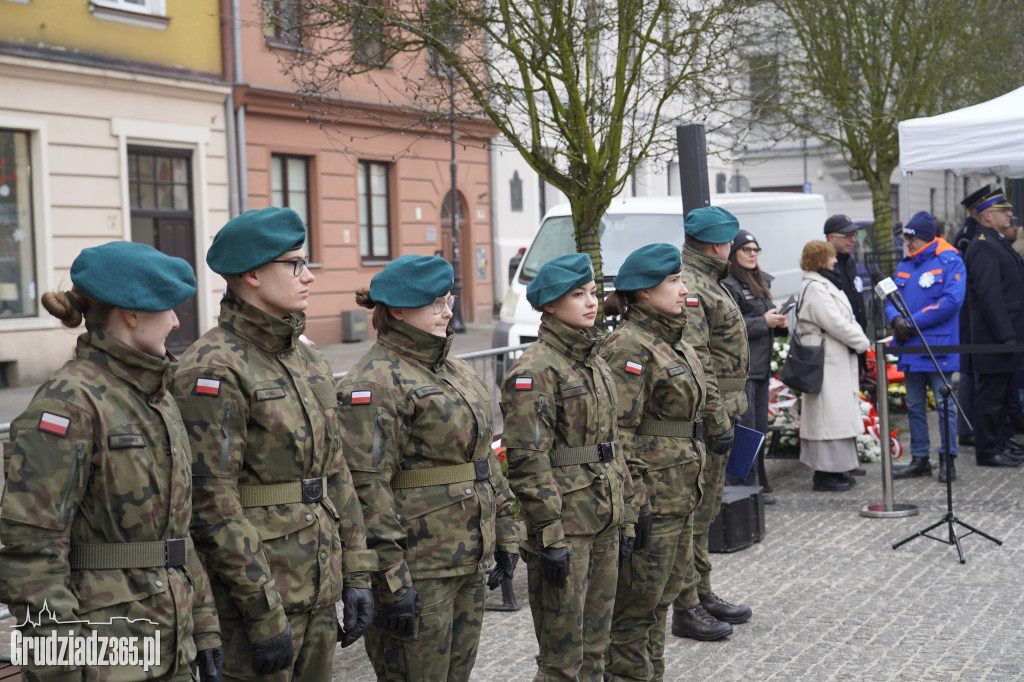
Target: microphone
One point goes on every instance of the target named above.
(886, 288)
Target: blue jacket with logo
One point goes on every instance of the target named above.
(933, 282)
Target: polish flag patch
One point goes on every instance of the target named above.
(634, 367)
(54, 423)
(524, 383)
(207, 387)
(692, 301)
(361, 397)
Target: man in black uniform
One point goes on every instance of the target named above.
(995, 294)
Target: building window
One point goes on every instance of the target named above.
(374, 216)
(17, 228)
(516, 193)
(154, 7)
(368, 33)
(764, 86)
(289, 188)
(159, 181)
(282, 21)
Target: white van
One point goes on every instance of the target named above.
(782, 222)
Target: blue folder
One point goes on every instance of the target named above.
(745, 446)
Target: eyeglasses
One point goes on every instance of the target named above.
(752, 250)
(297, 264)
(440, 303)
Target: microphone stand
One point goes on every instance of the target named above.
(947, 392)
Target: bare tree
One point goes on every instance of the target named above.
(584, 90)
(847, 71)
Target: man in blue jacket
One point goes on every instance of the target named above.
(933, 282)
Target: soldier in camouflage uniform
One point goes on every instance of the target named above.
(660, 386)
(558, 402)
(276, 517)
(715, 329)
(98, 499)
(417, 427)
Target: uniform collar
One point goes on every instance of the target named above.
(405, 339)
(145, 372)
(668, 328)
(578, 345)
(272, 334)
(709, 265)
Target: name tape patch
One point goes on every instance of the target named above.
(54, 423)
(361, 397)
(207, 387)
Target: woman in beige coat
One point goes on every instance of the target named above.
(830, 420)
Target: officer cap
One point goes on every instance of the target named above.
(711, 225)
(412, 281)
(742, 239)
(995, 199)
(255, 238)
(133, 276)
(920, 226)
(975, 197)
(648, 267)
(558, 277)
(842, 224)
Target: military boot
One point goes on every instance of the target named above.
(947, 468)
(696, 623)
(919, 466)
(723, 610)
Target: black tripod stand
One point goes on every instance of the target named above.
(947, 392)
(948, 518)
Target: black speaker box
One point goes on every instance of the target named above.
(740, 521)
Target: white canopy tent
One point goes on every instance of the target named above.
(984, 137)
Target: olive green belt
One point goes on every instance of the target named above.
(588, 454)
(477, 470)
(652, 427)
(732, 384)
(306, 490)
(110, 555)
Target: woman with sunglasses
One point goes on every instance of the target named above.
(752, 290)
(276, 516)
(97, 505)
(417, 426)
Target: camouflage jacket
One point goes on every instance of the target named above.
(658, 377)
(560, 394)
(715, 330)
(100, 456)
(260, 409)
(408, 406)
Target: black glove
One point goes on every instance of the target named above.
(554, 565)
(504, 565)
(358, 602)
(210, 664)
(625, 549)
(274, 654)
(903, 330)
(643, 531)
(402, 617)
(722, 443)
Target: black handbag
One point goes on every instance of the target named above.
(804, 367)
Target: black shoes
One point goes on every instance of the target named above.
(966, 439)
(696, 623)
(919, 466)
(947, 468)
(999, 460)
(723, 610)
(767, 499)
(829, 481)
(859, 471)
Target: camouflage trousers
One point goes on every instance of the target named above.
(698, 580)
(573, 623)
(647, 587)
(314, 635)
(447, 638)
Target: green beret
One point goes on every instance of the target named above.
(412, 281)
(133, 276)
(558, 277)
(255, 238)
(711, 224)
(648, 267)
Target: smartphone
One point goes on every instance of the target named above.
(789, 306)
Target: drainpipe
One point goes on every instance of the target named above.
(240, 168)
(227, 37)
